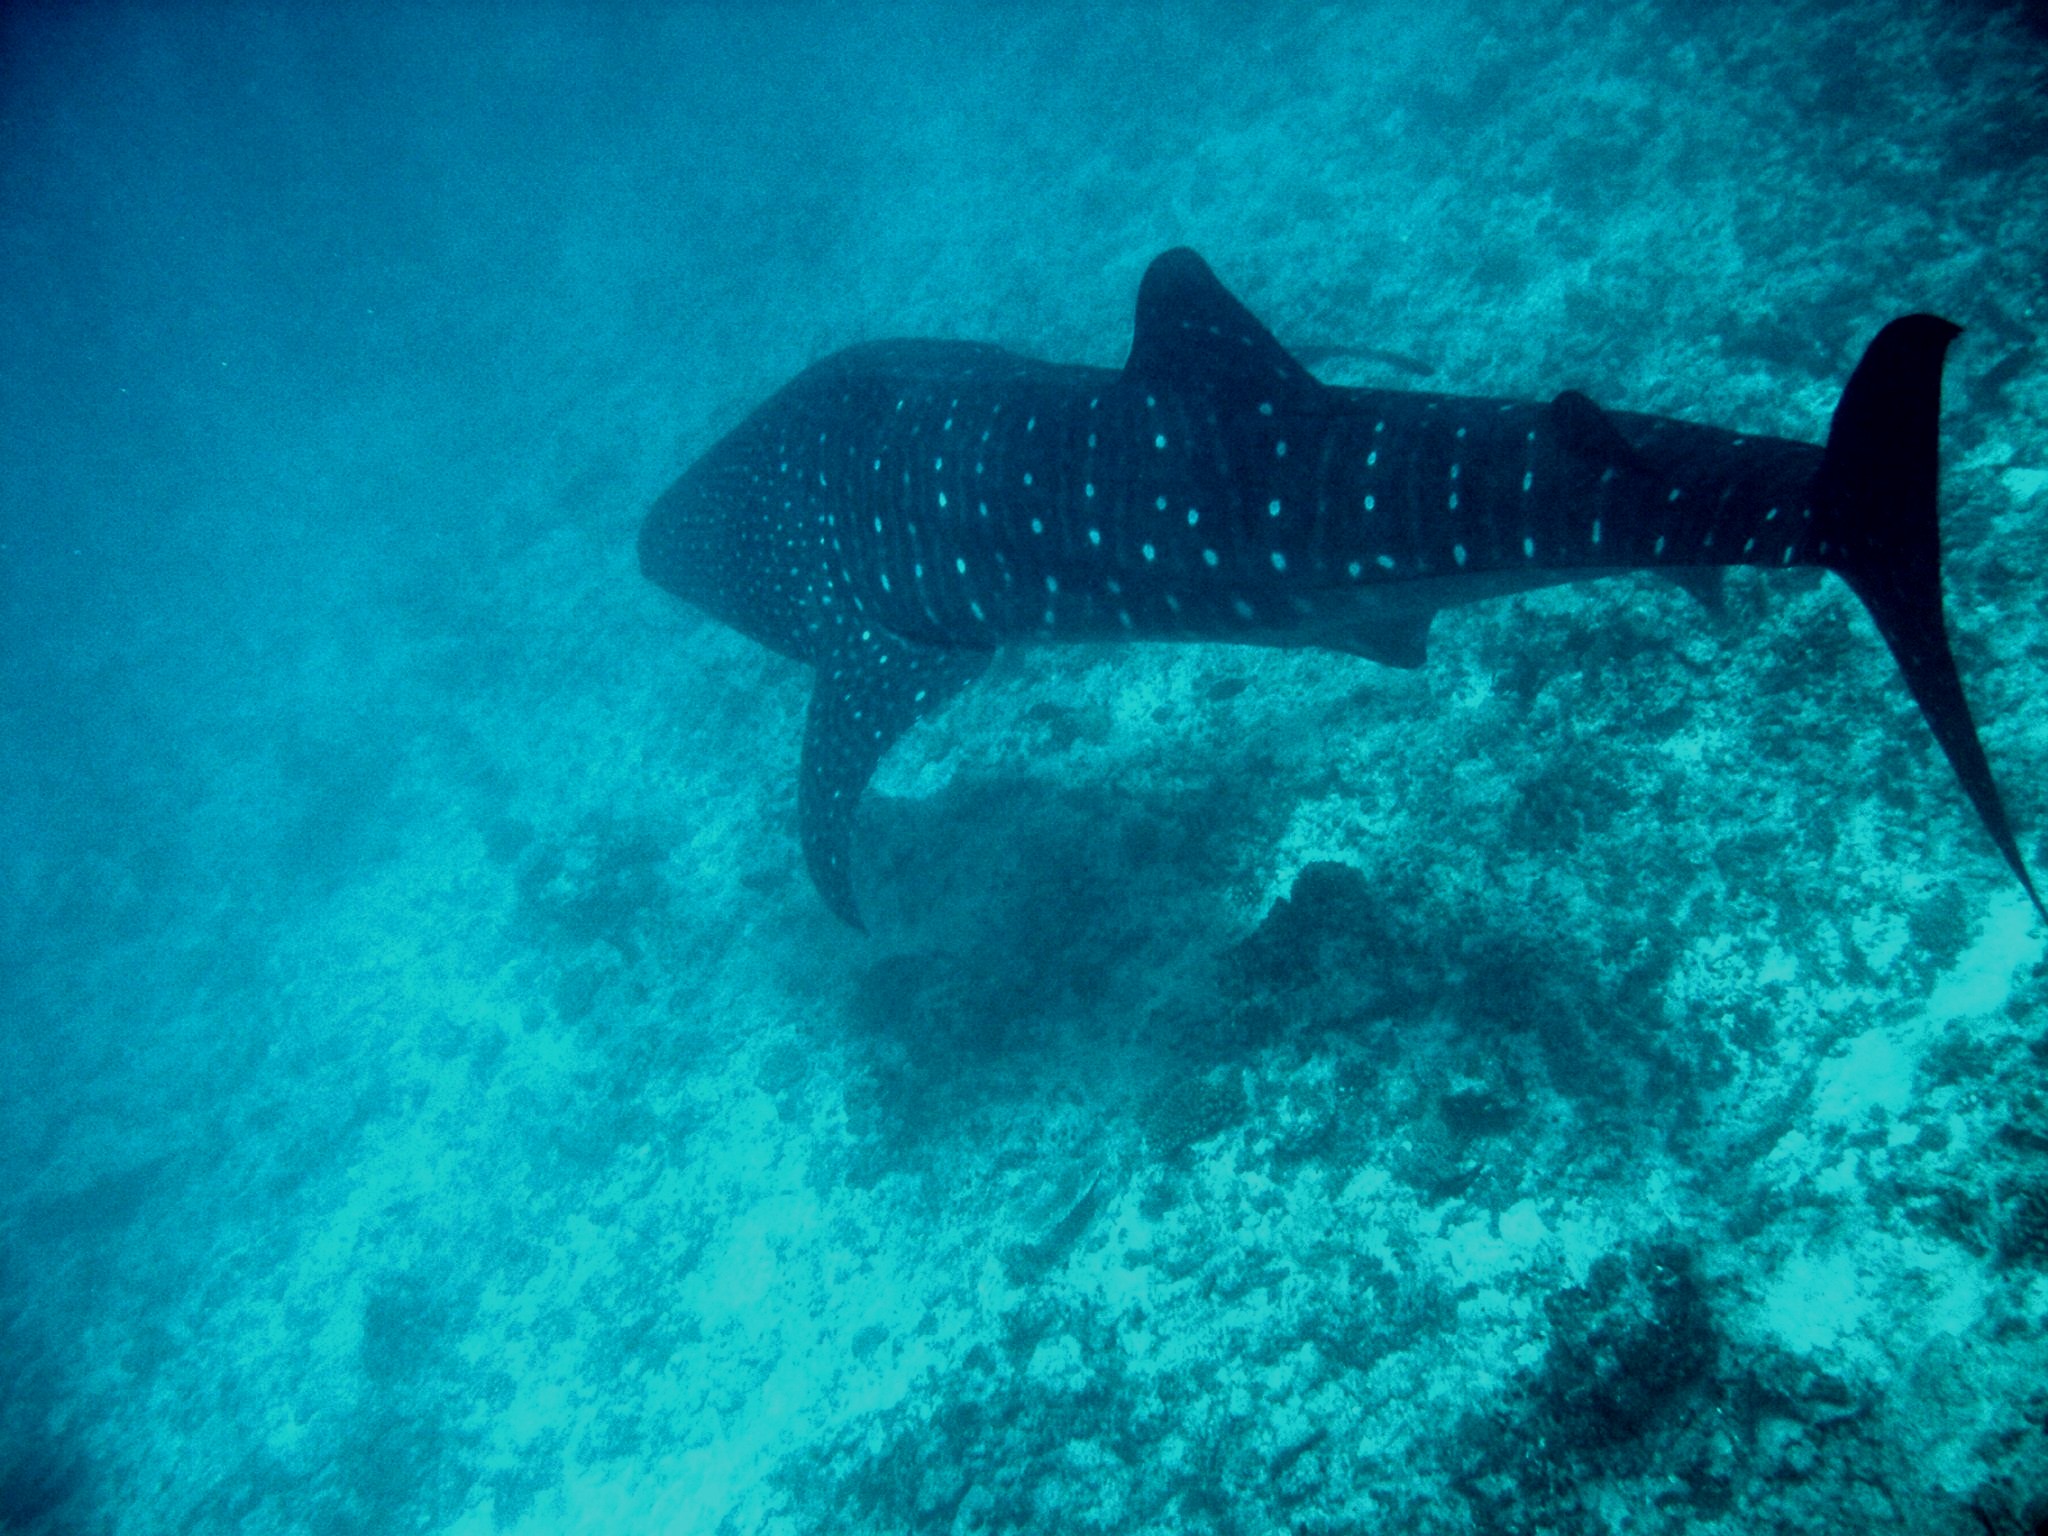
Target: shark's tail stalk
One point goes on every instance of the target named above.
(1875, 499)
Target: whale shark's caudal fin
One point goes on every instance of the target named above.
(1875, 495)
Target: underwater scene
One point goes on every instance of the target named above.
(595, 936)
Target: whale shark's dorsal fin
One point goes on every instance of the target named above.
(1192, 331)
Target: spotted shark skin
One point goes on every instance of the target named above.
(902, 508)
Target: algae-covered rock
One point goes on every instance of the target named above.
(1192, 1110)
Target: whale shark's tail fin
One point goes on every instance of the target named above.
(1875, 497)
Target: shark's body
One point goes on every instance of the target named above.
(901, 509)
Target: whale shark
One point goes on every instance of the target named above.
(901, 509)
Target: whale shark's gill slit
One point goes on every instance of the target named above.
(973, 497)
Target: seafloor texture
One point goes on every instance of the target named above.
(1592, 1083)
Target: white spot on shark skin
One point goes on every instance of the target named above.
(1675, 494)
(1280, 449)
(1027, 477)
(1369, 503)
(1052, 584)
(1660, 545)
(1748, 546)
(1596, 530)
(960, 566)
(1194, 517)
(1123, 618)
(1151, 404)
(1458, 553)
(939, 464)
(1528, 549)
(1454, 471)
(1088, 490)
(1372, 458)
(1037, 526)
(878, 464)
(1771, 516)
(1244, 609)
(1454, 501)
(1094, 535)
(1272, 509)
(917, 573)
(1386, 562)
(1265, 407)
(1528, 480)
(1279, 561)
(1159, 503)
(1355, 570)
(1158, 442)
(878, 525)
(1091, 439)
(1209, 557)
(942, 500)
(1031, 425)
(979, 616)
(1150, 553)
(983, 506)
(885, 581)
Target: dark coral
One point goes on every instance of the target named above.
(1626, 1348)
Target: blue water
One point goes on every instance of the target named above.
(1591, 1083)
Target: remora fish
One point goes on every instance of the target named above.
(900, 509)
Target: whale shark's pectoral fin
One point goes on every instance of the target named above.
(870, 689)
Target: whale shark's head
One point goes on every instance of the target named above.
(679, 541)
(719, 540)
